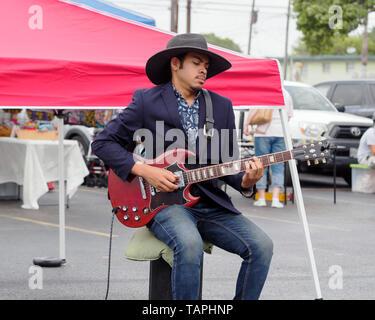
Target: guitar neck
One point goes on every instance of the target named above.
(233, 167)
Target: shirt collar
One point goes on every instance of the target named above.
(179, 95)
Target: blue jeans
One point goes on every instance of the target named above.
(183, 228)
(266, 145)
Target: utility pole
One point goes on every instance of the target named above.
(365, 47)
(188, 16)
(252, 16)
(286, 42)
(174, 16)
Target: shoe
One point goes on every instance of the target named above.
(260, 203)
(277, 204)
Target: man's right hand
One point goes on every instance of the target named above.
(161, 179)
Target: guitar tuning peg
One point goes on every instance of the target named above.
(316, 161)
(308, 163)
(319, 138)
(303, 141)
(311, 140)
(324, 160)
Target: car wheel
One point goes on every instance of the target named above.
(83, 145)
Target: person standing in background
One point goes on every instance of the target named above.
(366, 149)
(269, 138)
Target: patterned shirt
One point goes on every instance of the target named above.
(189, 115)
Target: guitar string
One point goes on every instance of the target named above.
(187, 175)
(263, 158)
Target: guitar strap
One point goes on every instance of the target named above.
(209, 124)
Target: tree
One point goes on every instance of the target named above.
(324, 21)
(369, 6)
(222, 42)
(341, 45)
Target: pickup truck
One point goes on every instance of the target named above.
(351, 96)
(315, 116)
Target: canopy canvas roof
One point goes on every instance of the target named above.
(64, 54)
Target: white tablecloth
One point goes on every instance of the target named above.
(33, 163)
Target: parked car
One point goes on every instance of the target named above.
(352, 96)
(82, 134)
(315, 116)
(85, 132)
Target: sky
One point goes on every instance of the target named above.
(228, 19)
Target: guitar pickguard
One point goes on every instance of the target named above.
(160, 199)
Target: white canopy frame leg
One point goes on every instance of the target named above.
(299, 201)
(51, 261)
(61, 188)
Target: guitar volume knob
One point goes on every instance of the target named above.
(124, 208)
(137, 218)
(126, 217)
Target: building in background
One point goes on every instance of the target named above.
(315, 69)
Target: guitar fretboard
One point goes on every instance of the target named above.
(233, 167)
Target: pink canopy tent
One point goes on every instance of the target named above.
(55, 53)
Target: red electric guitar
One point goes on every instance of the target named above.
(137, 201)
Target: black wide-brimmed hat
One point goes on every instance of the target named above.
(158, 66)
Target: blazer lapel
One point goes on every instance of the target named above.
(171, 105)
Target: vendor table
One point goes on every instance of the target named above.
(33, 163)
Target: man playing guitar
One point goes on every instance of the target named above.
(179, 73)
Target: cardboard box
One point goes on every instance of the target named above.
(5, 131)
(38, 135)
(363, 178)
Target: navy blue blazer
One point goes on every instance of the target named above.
(115, 144)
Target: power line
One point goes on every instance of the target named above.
(209, 11)
(234, 4)
(150, 4)
(164, 3)
(196, 7)
(213, 10)
(144, 5)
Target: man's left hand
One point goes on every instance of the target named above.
(254, 171)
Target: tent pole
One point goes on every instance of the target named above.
(299, 201)
(61, 187)
(51, 261)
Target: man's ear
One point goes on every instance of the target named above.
(175, 63)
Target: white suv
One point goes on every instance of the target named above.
(315, 116)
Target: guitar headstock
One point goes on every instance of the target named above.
(314, 151)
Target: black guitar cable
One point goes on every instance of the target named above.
(114, 211)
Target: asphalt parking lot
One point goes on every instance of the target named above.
(342, 236)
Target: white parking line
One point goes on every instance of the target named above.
(49, 224)
(296, 222)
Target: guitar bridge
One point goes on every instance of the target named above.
(143, 190)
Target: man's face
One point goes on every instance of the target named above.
(194, 70)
